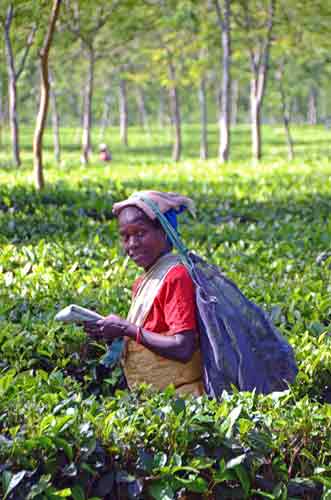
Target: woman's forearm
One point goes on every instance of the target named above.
(179, 347)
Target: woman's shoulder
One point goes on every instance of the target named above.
(178, 285)
(178, 271)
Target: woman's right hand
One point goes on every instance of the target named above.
(93, 330)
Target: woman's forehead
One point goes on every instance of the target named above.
(132, 215)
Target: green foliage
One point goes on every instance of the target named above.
(66, 429)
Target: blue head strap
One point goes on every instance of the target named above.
(171, 216)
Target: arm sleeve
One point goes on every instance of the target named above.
(178, 301)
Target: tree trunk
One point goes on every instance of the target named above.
(87, 114)
(1, 111)
(175, 114)
(289, 140)
(12, 89)
(124, 118)
(235, 102)
(44, 97)
(142, 109)
(203, 120)
(162, 114)
(106, 117)
(286, 114)
(259, 59)
(224, 15)
(255, 105)
(296, 110)
(55, 121)
(312, 107)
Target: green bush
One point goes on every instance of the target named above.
(67, 431)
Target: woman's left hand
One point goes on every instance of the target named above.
(109, 328)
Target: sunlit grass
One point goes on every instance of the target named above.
(149, 153)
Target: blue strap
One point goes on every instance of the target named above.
(170, 232)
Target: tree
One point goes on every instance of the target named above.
(257, 21)
(175, 108)
(171, 45)
(223, 12)
(203, 120)
(55, 119)
(123, 110)
(285, 108)
(104, 29)
(13, 72)
(85, 20)
(44, 95)
(107, 118)
(141, 105)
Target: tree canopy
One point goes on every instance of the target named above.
(155, 61)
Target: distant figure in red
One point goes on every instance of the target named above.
(104, 153)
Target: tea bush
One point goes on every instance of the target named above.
(68, 427)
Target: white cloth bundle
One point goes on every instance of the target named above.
(77, 314)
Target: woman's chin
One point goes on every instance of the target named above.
(140, 260)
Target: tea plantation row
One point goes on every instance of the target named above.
(65, 432)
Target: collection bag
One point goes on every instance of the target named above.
(239, 344)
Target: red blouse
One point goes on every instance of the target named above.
(174, 308)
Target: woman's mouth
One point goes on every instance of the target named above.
(137, 257)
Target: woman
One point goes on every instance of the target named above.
(104, 153)
(161, 329)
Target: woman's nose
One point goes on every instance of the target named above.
(132, 242)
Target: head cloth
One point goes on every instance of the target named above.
(170, 204)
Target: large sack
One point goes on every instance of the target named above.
(239, 343)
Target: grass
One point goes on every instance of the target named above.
(154, 148)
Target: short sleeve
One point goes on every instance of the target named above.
(174, 308)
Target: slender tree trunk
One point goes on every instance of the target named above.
(87, 114)
(259, 67)
(324, 101)
(142, 108)
(106, 117)
(224, 149)
(76, 100)
(55, 120)
(296, 110)
(235, 102)
(12, 88)
(1, 111)
(203, 120)
(124, 117)
(44, 97)
(223, 11)
(312, 107)
(79, 105)
(175, 114)
(289, 140)
(162, 115)
(286, 113)
(255, 105)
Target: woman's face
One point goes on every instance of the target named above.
(142, 241)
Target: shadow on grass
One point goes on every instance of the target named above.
(240, 151)
(148, 148)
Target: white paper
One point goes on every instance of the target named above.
(77, 314)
